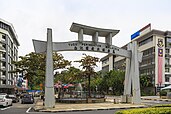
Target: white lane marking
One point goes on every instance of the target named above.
(33, 112)
(28, 110)
(5, 108)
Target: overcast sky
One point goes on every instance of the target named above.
(31, 18)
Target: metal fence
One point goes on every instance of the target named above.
(79, 94)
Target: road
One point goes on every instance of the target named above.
(150, 102)
(25, 109)
(18, 108)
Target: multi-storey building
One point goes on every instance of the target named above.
(156, 62)
(8, 52)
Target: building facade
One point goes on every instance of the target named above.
(156, 62)
(8, 52)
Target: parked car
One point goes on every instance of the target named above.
(5, 100)
(22, 94)
(14, 98)
(27, 98)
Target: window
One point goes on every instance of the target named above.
(4, 55)
(168, 41)
(106, 61)
(149, 51)
(167, 51)
(143, 42)
(167, 69)
(3, 73)
(167, 79)
(4, 46)
(3, 37)
(167, 61)
(4, 82)
(3, 64)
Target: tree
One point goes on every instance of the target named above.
(34, 64)
(146, 85)
(117, 81)
(104, 84)
(96, 81)
(88, 63)
(70, 75)
(145, 81)
(113, 79)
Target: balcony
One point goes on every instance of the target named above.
(2, 77)
(3, 41)
(2, 49)
(2, 68)
(2, 59)
(148, 55)
(167, 83)
(167, 73)
(147, 64)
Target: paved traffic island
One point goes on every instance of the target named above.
(64, 107)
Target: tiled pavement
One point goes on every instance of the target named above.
(63, 107)
(108, 105)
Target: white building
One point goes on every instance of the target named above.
(156, 62)
(8, 52)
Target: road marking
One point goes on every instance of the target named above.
(33, 112)
(28, 110)
(5, 108)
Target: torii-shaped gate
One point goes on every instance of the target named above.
(133, 57)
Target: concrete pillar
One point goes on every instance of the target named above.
(95, 37)
(127, 83)
(80, 35)
(49, 81)
(108, 39)
(135, 74)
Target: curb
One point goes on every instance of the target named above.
(42, 109)
(166, 100)
(79, 110)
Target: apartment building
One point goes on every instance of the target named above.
(156, 62)
(8, 52)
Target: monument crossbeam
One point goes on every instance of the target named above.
(40, 47)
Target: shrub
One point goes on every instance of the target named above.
(153, 110)
(163, 105)
(163, 93)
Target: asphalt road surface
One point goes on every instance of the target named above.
(18, 108)
(25, 109)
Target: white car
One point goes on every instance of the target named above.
(5, 100)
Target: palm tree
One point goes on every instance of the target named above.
(88, 63)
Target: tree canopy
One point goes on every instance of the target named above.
(70, 75)
(88, 63)
(33, 66)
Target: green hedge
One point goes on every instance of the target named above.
(163, 93)
(162, 105)
(159, 109)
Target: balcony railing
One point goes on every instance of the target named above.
(2, 77)
(3, 41)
